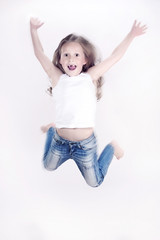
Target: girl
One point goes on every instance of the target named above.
(76, 83)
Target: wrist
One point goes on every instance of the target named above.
(32, 28)
(131, 35)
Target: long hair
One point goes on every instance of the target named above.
(90, 55)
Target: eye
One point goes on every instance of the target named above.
(66, 54)
(77, 54)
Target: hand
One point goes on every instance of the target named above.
(137, 29)
(35, 23)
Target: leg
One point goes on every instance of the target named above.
(93, 169)
(88, 167)
(55, 152)
(105, 159)
(85, 157)
(50, 134)
(107, 155)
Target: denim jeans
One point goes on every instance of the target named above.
(84, 153)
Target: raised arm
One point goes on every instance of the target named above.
(52, 71)
(98, 70)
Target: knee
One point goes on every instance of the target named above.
(95, 184)
(49, 166)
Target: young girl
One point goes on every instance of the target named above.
(76, 84)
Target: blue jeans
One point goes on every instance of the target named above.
(84, 153)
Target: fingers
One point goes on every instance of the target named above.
(135, 22)
(144, 27)
(40, 23)
(36, 22)
(138, 28)
(138, 24)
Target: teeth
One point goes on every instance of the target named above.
(72, 67)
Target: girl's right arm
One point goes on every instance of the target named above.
(52, 71)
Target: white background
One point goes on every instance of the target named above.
(39, 205)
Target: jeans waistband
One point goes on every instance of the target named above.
(59, 138)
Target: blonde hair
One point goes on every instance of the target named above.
(90, 54)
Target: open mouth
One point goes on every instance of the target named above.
(72, 67)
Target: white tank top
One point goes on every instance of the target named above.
(75, 101)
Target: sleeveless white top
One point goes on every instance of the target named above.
(75, 101)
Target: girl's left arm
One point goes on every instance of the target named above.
(97, 71)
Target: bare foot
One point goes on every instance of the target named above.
(118, 151)
(45, 128)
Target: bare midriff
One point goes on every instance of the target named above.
(75, 134)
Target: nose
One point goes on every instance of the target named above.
(71, 59)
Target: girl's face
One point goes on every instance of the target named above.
(72, 58)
